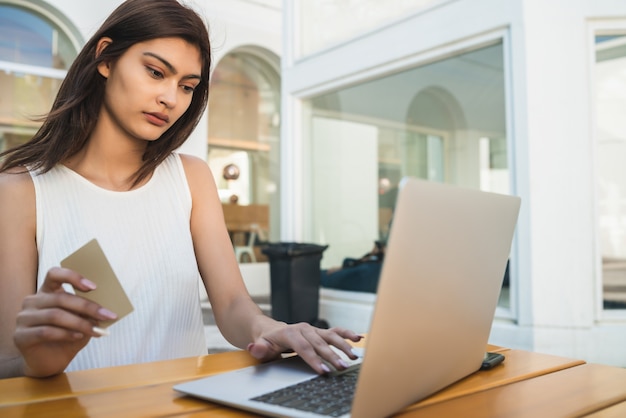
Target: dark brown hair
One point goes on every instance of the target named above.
(74, 113)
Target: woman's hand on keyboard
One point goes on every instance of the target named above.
(313, 344)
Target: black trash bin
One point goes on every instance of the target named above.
(295, 281)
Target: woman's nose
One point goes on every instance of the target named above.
(168, 97)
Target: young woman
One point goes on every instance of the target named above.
(103, 166)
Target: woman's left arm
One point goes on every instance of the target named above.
(239, 319)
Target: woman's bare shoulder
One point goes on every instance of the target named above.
(18, 229)
(16, 190)
(201, 183)
(196, 169)
(193, 162)
(16, 180)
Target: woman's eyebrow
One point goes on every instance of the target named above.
(169, 66)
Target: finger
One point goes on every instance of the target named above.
(308, 342)
(57, 276)
(56, 318)
(312, 345)
(347, 334)
(330, 346)
(337, 337)
(261, 350)
(271, 345)
(288, 338)
(67, 302)
(335, 350)
(26, 337)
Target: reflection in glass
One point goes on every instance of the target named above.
(34, 55)
(442, 122)
(244, 126)
(25, 98)
(26, 38)
(610, 108)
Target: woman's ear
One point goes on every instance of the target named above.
(103, 67)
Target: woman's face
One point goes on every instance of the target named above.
(149, 87)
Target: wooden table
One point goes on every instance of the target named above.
(613, 411)
(526, 384)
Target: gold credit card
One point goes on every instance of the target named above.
(90, 262)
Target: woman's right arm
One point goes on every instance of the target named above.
(40, 331)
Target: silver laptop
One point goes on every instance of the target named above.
(439, 286)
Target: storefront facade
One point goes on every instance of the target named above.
(517, 96)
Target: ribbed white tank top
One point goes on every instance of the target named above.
(146, 237)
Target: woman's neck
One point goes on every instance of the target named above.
(109, 163)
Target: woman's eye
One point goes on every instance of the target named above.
(188, 89)
(154, 73)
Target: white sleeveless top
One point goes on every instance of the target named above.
(145, 234)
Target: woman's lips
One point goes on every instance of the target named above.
(157, 118)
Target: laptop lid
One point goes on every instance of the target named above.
(438, 291)
(437, 294)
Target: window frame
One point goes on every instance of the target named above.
(301, 145)
(597, 28)
(54, 18)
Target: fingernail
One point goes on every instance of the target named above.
(77, 335)
(101, 331)
(107, 313)
(325, 368)
(88, 283)
(354, 354)
(343, 364)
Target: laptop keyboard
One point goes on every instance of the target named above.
(329, 395)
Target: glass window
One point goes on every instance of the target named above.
(34, 55)
(244, 127)
(610, 133)
(444, 122)
(323, 23)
